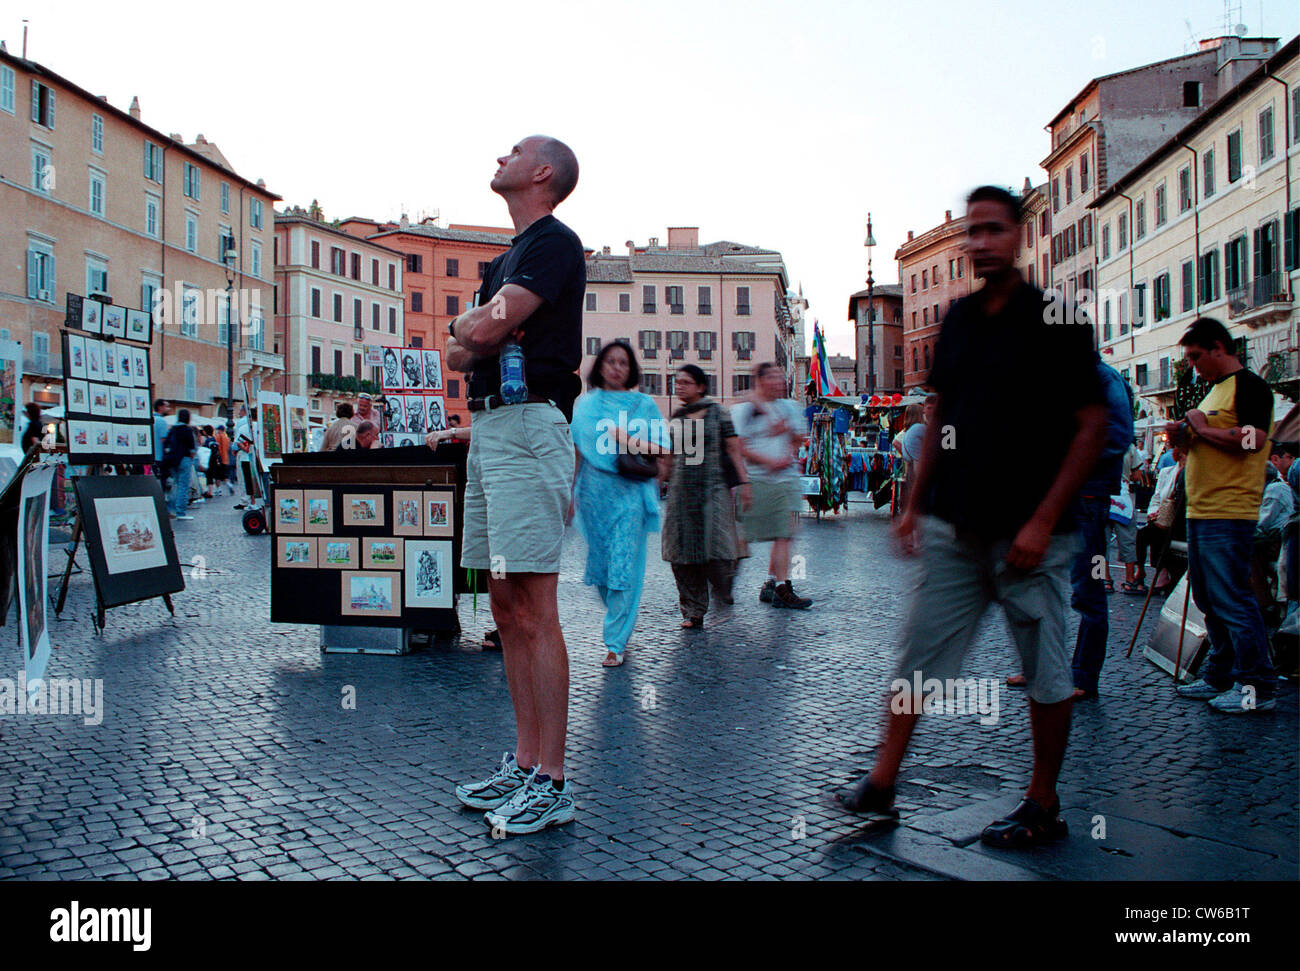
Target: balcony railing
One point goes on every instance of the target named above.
(250, 358)
(1260, 300)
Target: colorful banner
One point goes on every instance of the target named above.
(823, 380)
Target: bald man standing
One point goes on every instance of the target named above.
(519, 474)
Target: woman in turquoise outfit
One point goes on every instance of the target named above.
(616, 512)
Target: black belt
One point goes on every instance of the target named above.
(494, 401)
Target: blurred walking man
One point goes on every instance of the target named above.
(990, 537)
(770, 427)
(520, 473)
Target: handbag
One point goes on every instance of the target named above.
(1121, 506)
(637, 466)
(729, 472)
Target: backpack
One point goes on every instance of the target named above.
(172, 454)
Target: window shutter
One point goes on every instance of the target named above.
(53, 275)
(36, 101)
(1258, 264)
(31, 275)
(50, 113)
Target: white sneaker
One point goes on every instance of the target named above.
(1199, 689)
(496, 789)
(533, 808)
(185, 517)
(1241, 700)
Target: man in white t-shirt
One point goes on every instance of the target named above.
(770, 427)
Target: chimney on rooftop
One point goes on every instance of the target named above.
(947, 215)
(199, 139)
(631, 248)
(683, 237)
(654, 243)
(604, 251)
(405, 222)
(909, 235)
(134, 110)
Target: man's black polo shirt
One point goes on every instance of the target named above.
(546, 258)
(1010, 387)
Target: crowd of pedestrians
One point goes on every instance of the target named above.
(713, 480)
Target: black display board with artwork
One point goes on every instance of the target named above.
(374, 546)
(107, 383)
(128, 535)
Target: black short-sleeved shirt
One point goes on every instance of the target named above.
(546, 258)
(1010, 386)
(186, 440)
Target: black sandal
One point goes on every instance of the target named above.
(492, 640)
(693, 623)
(865, 798)
(1029, 824)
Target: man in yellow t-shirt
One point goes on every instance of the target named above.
(1225, 478)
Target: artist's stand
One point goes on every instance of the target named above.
(97, 618)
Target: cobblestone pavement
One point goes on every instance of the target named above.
(225, 750)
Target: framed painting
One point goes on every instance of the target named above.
(125, 370)
(110, 364)
(92, 316)
(270, 425)
(76, 355)
(439, 516)
(414, 407)
(363, 509)
(432, 370)
(288, 511)
(407, 517)
(94, 359)
(129, 538)
(33, 558)
(295, 409)
(337, 553)
(140, 366)
(79, 435)
(100, 400)
(428, 573)
(139, 326)
(114, 321)
(370, 594)
(391, 379)
(78, 397)
(435, 413)
(412, 369)
(394, 411)
(319, 510)
(295, 552)
(381, 553)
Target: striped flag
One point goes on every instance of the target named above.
(823, 381)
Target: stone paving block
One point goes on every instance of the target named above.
(755, 721)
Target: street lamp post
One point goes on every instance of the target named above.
(871, 312)
(230, 256)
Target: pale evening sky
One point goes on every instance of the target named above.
(777, 124)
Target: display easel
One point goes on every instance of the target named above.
(97, 618)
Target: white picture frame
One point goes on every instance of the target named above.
(428, 574)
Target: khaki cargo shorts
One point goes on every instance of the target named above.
(959, 579)
(519, 480)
